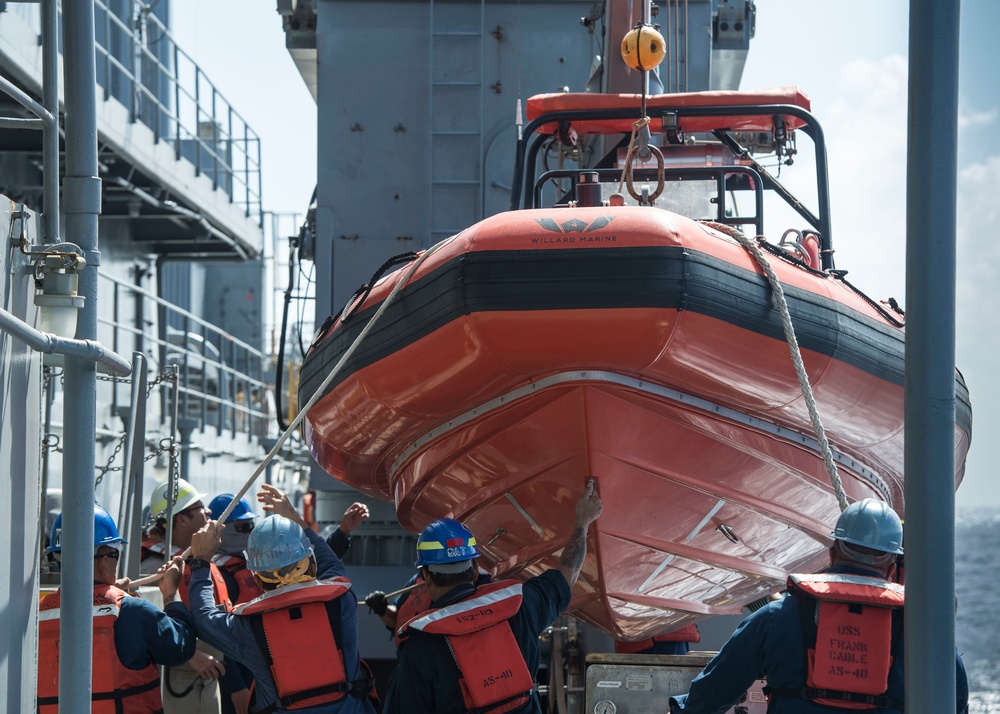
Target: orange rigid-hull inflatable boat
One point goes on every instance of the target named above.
(636, 345)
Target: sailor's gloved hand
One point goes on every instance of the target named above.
(377, 602)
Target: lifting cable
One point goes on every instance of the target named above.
(320, 391)
(793, 346)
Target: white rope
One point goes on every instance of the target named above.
(312, 400)
(793, 346)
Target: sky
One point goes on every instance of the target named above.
(850, 57)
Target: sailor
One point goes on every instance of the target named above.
(675, 641)
(340, 540)
(300, 638)
(241, 586)
(192, 688)
(408, 604)
(835, 644)
(476, 648)
(131, 636)
(240, 582)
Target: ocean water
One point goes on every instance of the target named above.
(977, 623)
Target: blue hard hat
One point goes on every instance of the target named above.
(105, 531)
(276, 543)
(872, 524)
(241, 511)
(445, 541)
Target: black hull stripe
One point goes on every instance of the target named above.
(671, 278)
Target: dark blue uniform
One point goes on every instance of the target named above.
(771, 644)
(426, 680)
(144, 633)
(233, 635)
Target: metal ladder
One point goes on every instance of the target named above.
(456, 116)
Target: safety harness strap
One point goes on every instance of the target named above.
(358, 688)
(117, 694)
(873, 700)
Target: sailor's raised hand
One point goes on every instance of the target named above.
(590, 506)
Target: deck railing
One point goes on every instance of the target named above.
(221, 378)
(140, 65)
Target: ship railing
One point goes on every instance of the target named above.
(140, 65)
(221, 379)
(530, 147)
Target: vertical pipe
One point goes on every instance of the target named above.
(215, 141)
(114, 346)
(228, 143)
(50, 134)
(82, 204)
(929, 457)
(197, 121)
(246, 165)
(177, 104)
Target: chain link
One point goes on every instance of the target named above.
(108, 467)
(112, 378)
(51, 441)
(169, 376)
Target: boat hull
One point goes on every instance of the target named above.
(643, 349)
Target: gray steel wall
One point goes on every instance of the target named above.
(20, 482)
(380, 70)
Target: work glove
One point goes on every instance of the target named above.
(377, 602)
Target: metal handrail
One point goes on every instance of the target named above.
(222, 378)
(231, 155)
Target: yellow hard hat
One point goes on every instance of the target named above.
(643, 48)
(187, 496)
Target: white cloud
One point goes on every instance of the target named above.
(971, 119)
(866, 137)
(978, 323)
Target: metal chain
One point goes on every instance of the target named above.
(107, 467)
(160, 378)
(112, 378)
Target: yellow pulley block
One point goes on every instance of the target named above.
(643, 48)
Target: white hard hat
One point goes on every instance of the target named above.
(187, 496)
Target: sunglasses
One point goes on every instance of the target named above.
(191, 509)
(114, 555)
(243, 526)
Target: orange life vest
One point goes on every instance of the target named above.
(493, 674)
(237, 567)
(114, 687)
(297, 628)
(418, 601)
(220, 591)
(848, 667)
(688, 633)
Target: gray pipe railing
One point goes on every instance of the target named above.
(82, 205)
(46, 343)
(929, 456)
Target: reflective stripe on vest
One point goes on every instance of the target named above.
(490, 603)
(493, 674)
(115, 688)
(850, 662)
(297, 628)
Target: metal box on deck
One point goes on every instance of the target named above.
(641, 684)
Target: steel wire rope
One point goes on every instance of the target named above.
(793, 346)
(312, 400)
